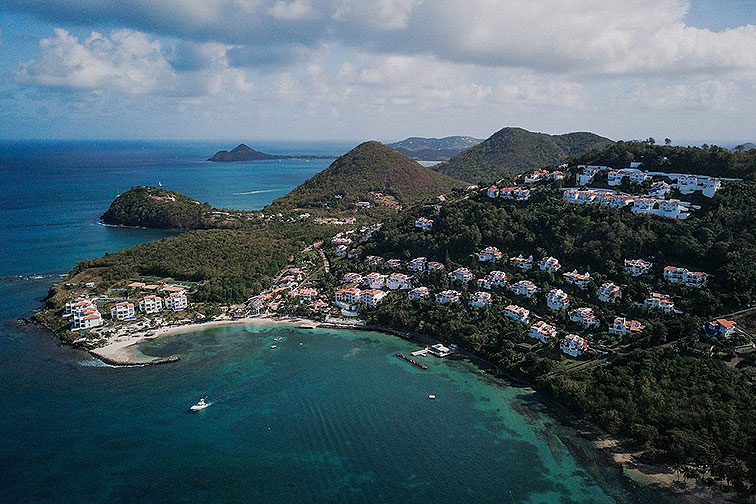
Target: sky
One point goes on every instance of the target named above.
(377, 69)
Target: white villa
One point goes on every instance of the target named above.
(86, 319)
(557, 299)
(341, 251)
(398, 281)
(493, 279)
(417, 264)
(424, 223)
(372, 297)
(637, 267)
(580, 280)
(681, 275)
(542, 331)
(394, 263)
(584, 316)
(347, 298)
(374, 280)
(122, 311)
(588, 172)
(151, 304)
(493, 192)
(419, 293)
(481, 299)
(609, 292)
(524, 288)
(573, 345)
(434, 266)
(708, 186)
(514, 193)
(661, 302)
(462, 274)
(352, 278)
(659, 189)
(374, 260)
(623, 326)
(517, 313)
(521, 262)
(447, 296)
(549, 264)
(176, 302)
(489, 254)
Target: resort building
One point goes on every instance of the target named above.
(440, 350)
(493, 279)
(353, 254)
(424, 223)
(176, 302)
(614, 178)
(517, 313)
(623, 326)
(556, 175)
(352, 278)
(398, 281)
(536, 176)
(514, 193)
(489, 254)
(661, 302)
(549, 264)
(584, 316)
(557, 299)
(341, 251)
(394, 264)
(136, 285)
(524, 288)
(447, 296)
(609, 292)
(580, 280)
(481, 300)
(86, 319)
(521, 262)
(340, 240)
(122, 311)
(419, 293)
(659, 190)
(573, 345)
(493, 192)
(542, 331)
(373, 260)
(588, 172)
(305, 293)
(695, 279)
(434, 266)
(374, 280)
(417, 264)
(76, 304)
(319, 306)
(347, 298)
(151, 304)
(720, 328)
(637, 267)
(708, 186)
(462, 274)
(372, 297)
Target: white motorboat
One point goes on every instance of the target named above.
(199, 406)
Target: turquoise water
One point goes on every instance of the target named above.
(337, 419)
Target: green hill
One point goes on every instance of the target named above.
(369, 167)
(434, 149)
(240, 153)
(515, 150)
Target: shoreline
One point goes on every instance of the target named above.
(613, 450)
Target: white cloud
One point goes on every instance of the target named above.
(296, 9)
(129, 62)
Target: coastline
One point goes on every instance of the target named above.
(613, 450)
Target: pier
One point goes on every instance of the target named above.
(412, 361)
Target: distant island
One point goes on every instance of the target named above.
(434, 149)
(243, 152)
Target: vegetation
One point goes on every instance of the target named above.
(243, 152)
(161, 209)
(367, 168)
(515, 150)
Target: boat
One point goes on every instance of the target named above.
(273, 346)
(199, 406)
(431, 396)
(279, 338)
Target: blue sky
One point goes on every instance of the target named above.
(383, 69)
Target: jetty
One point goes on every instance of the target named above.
(412, 361)
(422, 352)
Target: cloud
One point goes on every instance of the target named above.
(590, 37)
(130, 62)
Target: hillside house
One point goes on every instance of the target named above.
(372, 297)
(609, 292)
(352, 278)
(695, 279)
(424, 223)
(522, 262)
(580, 280)
(623, 326)
(398, 281)
(417, 264)
(481, 299)
(573, 345)
(348, 298)
(462, 274)
(517, 313)
(151, 304)
(557, 299)
(176, 302)
(122, 311)
(394, 264)
(374, 280)
(447, 297)
(542, 331)
(434, 266)
(489, 254)
(661, 302)
(419, 293)
(549, 264)
(720, 328)
(584, 316)
(524, 288)
(637, 267)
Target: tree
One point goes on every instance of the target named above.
(651, 141)
(667, 142)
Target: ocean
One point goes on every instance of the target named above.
(328, 416)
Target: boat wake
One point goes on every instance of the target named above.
(255, 192)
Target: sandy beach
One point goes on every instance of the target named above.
(126, 353)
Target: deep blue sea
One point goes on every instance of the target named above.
(336, 418)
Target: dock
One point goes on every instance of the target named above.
(412, 361)
(422, 352)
